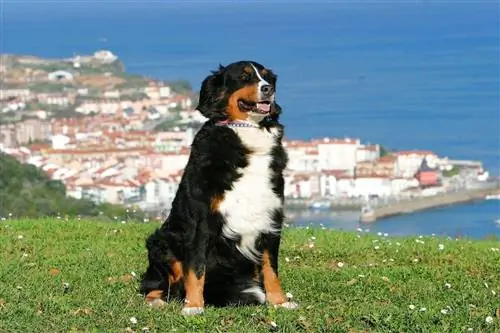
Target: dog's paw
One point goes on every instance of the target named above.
(193, 311)
(154, 300)
(287, 305)
(156, 303)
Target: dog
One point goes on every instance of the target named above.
(219, 245)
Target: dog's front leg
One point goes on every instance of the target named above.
(272, 285)
(194, 277)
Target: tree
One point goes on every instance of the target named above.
(26, 191)
(384, 151)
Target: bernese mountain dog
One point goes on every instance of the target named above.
(219, 245)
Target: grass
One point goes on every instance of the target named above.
(80, 276)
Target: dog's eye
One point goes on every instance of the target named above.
(245, 77)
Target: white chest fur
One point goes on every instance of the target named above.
(248, 207)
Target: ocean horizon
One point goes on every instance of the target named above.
(407, 75)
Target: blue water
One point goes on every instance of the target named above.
(406, 74)
(476, 220)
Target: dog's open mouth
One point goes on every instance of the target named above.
(259, 107)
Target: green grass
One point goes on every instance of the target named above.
(371, 292)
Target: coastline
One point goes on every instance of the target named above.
(376, 213)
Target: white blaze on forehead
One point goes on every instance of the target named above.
(262, 81)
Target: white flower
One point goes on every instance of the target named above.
(359, 229)
(20, 237)
(313, 238)
(447, 285)
(412, 307)
(287, 259)
(392, 260)
(386, 234)
(377, 247)
(273, 324)
(361, 276)
(415, 260)
(289, 295)
(379, 233)
(311, 245)
(340, 264)
(441, 247)
(470, 329)
(489, 320)
(133, 274)
(493, 292)
(123, 222)
(444, 311)
(486, 285)
(398, 244)
(133, 320)
(423, 309)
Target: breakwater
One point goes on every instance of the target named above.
(422, 203)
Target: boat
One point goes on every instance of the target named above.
(320, 205)
(493, 197)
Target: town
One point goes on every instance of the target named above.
(113, 137)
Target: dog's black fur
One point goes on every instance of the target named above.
(192, 234)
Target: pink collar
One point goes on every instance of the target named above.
(236, 124)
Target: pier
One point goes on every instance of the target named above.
(416, 204)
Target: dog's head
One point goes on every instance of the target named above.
(243, 90)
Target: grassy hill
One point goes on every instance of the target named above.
(82, 276)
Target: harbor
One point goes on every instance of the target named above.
(371, 213)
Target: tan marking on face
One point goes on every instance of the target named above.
(248, 93)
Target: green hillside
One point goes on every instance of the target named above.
(26, 191)
(82, 276)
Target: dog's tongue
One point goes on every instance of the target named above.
(263, 107)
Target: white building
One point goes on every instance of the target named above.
(337, 154)
(409, 162)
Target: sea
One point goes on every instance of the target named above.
(406, 74)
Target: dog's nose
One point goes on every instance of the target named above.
(267, 89)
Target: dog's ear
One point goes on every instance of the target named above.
(211, 94)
